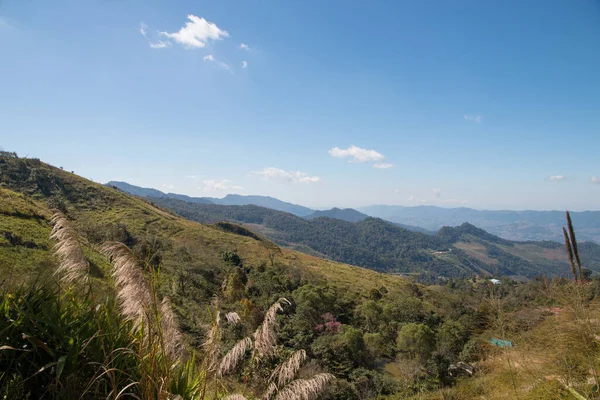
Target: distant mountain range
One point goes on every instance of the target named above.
(511, 225)
(229, 200)
(381, 245)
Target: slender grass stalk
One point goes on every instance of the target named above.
(570, 253)
(574, 245)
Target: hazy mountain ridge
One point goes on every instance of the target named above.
(512, 225)
(377, 244)
(525, 225)
(229, 200)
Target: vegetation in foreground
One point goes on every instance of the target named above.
(380, 336)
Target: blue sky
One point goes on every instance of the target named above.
(485, 104)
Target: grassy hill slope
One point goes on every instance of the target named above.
(29, 189)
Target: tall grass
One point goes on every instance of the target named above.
(61, 343)
(67, 343)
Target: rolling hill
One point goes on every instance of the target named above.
(31, 189)
(346, 214)
(351, 215)
(380, 245)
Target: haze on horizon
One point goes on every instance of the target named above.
(481, 105)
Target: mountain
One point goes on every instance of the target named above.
(264, 201)
(383, 246)
(137, 190)
(346, 214)
(512, 225)
(230, 199)
(351, 215)
(335, 310)
(30, 190)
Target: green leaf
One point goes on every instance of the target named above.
(60, 366)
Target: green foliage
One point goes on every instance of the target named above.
(450, 338)
(350, 321)
(340, 353)
(59, 344)
(416, 340)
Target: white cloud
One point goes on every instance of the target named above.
(412, 198)
(192, 177)
(475, 118)
(196, 33)
(437, 193)
(356, 154)
(244, 46)
(595, 179)
(158, 44)
(397, 190)
(382, 165)
(557, 178)
(219, 186)
(288, 176)
(143, 29)
(244, 64)
(221, 64)
(167, 186)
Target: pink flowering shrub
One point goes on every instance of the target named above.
(330, 325)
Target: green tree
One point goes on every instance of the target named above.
(370, 311)
(416, 340)
(451, 338)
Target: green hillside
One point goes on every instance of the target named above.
(30, 189)
(381, 336)
(380, 245)
(194, 260)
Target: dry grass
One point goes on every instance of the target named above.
(305, 389)
(73, 267)
(172, 336)
(235, 356)
(133, 290)
(285, 372)
(265, 336)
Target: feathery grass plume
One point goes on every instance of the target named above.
(570, 253)
(265, 337)
(285, 372)
(73, 265)
(133, 290)
(213, 339)
(236, 396)
(172, 336)
(232, 317)
(305, 389)
(574, 244)
(234, 356)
